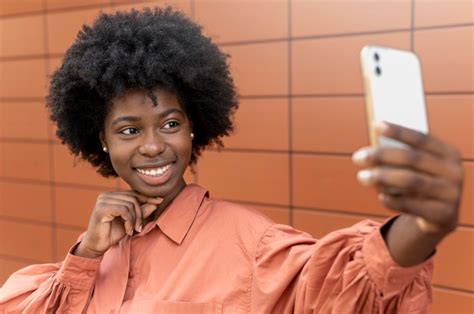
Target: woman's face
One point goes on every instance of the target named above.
(149, 146)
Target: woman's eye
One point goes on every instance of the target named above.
(171, 124)
(129, 131)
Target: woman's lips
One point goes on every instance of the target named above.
(155, 176)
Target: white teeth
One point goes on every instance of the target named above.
(154, 172)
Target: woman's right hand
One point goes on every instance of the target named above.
(115, 215)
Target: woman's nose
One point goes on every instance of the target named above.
(152, 145)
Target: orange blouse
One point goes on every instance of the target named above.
(209, 256)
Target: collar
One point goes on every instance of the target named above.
(178, 217)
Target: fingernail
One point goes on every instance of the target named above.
(360, 156)
(365, 177)
(140, 228)
(381, 126)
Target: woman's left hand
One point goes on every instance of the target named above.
(423, 179)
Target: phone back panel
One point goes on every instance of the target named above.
(394, 89)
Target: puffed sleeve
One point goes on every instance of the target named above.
(348, 271)
(50, 288)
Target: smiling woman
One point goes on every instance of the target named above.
(139, 95)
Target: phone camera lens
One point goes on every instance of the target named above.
(376, 57)
(378, 71)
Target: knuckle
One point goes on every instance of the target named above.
(412, 157)
(416, 183)
(422, 139)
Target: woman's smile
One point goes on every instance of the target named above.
(156, 175)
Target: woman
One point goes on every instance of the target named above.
(139, 95)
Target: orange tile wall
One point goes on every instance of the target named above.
(296, 65)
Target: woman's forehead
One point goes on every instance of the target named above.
(140, 100)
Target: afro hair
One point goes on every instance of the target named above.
(140, 49)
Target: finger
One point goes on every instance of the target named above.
(143, 198)
(411, 158)
(435, 213)
(136, 208)
(128, 204)
(148, 209)
(122, 210)
(413, 183)
(417, 140)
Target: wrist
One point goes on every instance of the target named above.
(83, 251)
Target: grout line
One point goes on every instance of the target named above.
(193, 10)
(326, 211)
(58, 184)
(290, 115)
(25, 140)
(20, 259)
(340, 95)
(52, 193)
(470, 293)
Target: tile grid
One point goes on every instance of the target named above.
(290, 96)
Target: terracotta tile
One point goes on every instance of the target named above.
(331, 17)
(189, 176)
(24, 161)
(277, 214)
(63, 27)
(451, 119)
(450, 301)
(436, 13)
(25, 201)
(74, 206)
(65, 239)
(22, 36)
(25, 240)
(181, 5)
(223, 20)
(442, 73)
(320, 224)
(61, 4)
(76, 171)
(452, 252)
(53, 64)
(466, 211)
(8, 267)
(251, 177)
(25, 120)
(260, 69)
(329, 182)
(22, 78)
(343, 118)
(10, 7)
(260, 124)
(331, 65)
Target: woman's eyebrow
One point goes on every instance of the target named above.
(126, 118)
(167, 112)
(161, 115)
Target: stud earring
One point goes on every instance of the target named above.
(192, 136)
(104, 149)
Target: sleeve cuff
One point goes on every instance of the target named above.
(77, 271)
(387, 275)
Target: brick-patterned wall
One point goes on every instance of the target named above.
(296, 64)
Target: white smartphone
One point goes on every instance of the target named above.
(393, 90)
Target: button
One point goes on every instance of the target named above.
(90, 273)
